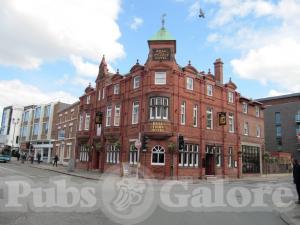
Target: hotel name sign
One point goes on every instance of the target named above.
(161, 54)
(157, 127)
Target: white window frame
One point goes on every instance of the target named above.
(112, 154)
(80, 122)
(117, 115)
(88, 99)
(136, 82)
(160, 78)
(135, 113)
(246, 128)
(230, 97)
(99, 94)
(231, 123)
(209, 111)
(159, 108)
(159, 150)
(87, 121)
(133, 154)
(189, 83)
(108, 116)
(195, 116)
(83, 154)
(189, 156)
(209, 90)
(36, 131)
(245, 107)
(103, 92)
(116, 89)
(69, 150)
(257, 131)
(257, 111)
(182, 113)
(37, 115)
(218, 153)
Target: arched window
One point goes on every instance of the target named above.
(158, 155)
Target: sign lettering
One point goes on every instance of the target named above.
(161, 54)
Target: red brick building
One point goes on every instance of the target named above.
(161, 101)
(65, 128)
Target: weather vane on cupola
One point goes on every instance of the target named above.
(163, 21)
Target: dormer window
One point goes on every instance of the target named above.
(245, 107)
(209, 90)
(88, 99)
(230, 96)
(160, 78)
(189, 83)
(116, 89)
(257, 111)
(136, 82)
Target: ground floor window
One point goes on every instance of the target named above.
(251, 159)
(189, 156)
(230, 158)
(84, 153)
(133, 154)
(112, 154)
(69, 149)
(158, 155)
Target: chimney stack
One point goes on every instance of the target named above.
(219, 71)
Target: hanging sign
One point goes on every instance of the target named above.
(222, 118)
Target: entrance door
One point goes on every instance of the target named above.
(209, 164)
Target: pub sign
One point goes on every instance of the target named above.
(222, 118)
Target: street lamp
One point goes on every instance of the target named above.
(14, 122)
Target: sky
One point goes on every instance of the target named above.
(51, 49)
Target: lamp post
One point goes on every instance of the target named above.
(14, 123)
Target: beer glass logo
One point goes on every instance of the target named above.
(127, 200)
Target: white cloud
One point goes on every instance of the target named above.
(233, 9)
(273, 93)
(270, 53)
(33, 32)
(84, 68)
(14, 92)
(136, 23)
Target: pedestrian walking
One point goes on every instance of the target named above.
(296, 175)
(31, 158)
(39, 158)
(18, 156)
(55, 160)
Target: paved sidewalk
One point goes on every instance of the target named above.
(291, 217)
(90, 175)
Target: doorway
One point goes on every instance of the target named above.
(209, 164)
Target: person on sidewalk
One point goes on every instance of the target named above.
(18, 156)
(55, 160)
(296, 175)
(39, 158)
(31, 158)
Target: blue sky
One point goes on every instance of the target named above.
(50, 49)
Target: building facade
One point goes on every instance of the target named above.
(37, 132)
(282, 124)
(10, 127)
(175, 121)
(66, 130)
